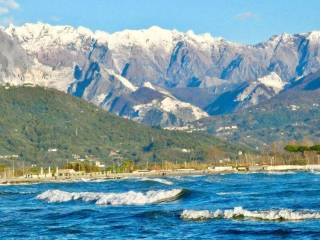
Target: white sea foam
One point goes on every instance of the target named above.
(159, 180)
(176, 178)
(85, 180)
(228, 193)
(94, 180)
(126, 198)
(280, 172)
(239, 212)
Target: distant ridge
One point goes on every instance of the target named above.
(196, 70)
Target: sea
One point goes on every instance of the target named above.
(222, 206)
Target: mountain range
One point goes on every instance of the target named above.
(292, 115)
(156, 76)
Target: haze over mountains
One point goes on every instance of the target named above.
(156, 76)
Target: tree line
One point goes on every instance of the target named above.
(293, 148)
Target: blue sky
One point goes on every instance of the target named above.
(245, 21)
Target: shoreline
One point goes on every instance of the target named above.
(91, 177)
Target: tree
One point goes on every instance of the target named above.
(315, 148)
(296, 148)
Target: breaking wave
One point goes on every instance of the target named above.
(241, 213)
(159, 180)
(126, 198)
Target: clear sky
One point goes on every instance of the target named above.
(245, 21)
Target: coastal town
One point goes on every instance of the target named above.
(70, 175)
(292, 157)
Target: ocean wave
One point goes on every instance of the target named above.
(74, 214)
(159, 180)
(126, 198)
(19, 183)
(197, 176)
(156, 214)
(241, 213)
(7, 193)
(94, 180)
(280, 172)
(228, 193)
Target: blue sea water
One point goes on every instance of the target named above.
(97, 214)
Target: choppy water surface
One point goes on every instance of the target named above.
(230, 206)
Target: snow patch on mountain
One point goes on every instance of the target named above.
(173, 105)
(149, 85)
(313, 36)
(146, 38)
(273, 81)
(40, 75)
(158, 89)
(183, 110)
(34, 36)
(267, 86)
(123, 80)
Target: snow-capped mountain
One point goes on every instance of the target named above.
(173, 111)
(264, 88)
(148, 104)
(78, 61)
(157, 76)
(247, 94)
(292, 114)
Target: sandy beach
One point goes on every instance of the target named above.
(99, 176)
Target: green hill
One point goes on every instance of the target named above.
(34, 120)
(293, 115)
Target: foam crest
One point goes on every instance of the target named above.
(159, 180)
(126, 198)
(241, 213)
(228, 193)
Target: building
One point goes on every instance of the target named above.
(99, 164)
(67, 173)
